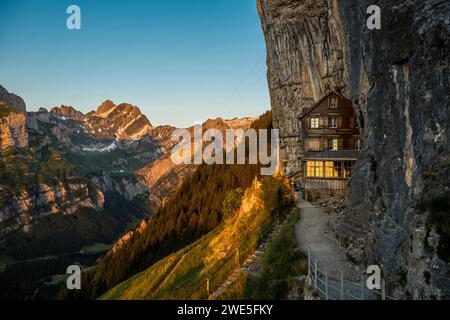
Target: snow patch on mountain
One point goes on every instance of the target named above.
(109, 148)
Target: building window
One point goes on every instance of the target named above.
(335, 144)
(333, 122)
(337, 169)
(347, 169)
(333, 102)
(329, 169)
(313, 144)
(314, 123)
(309, 168)
(358, 144)
(314, 169)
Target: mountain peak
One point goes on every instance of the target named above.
(124, 121)
(105, 107)
(11, 100)
(68, 112)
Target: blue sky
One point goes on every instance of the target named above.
(179, 61)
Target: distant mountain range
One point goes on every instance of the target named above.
(59, 165)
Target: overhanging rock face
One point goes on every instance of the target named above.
(398, 79)
(305, 53)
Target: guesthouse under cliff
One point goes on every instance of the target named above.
(331, 143)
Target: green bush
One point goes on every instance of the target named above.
(276, 196)
(281, 261)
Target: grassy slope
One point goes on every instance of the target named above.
(281, 262)
(177, 276)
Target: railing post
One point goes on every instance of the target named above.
(208, 291)
(315, 275)
(309, 265)
(383, 289)
(342, 285)
(326, 285)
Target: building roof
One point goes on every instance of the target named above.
(315, 105)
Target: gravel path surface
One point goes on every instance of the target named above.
(313, 236)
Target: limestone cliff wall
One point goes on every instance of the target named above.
(398, 78)
(23, 208)
(13, 131)
(306, 58)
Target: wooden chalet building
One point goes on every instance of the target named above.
(331, 143)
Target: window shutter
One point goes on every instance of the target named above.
(352, 122)
(339, 122)
(341, 144)
(325, 144)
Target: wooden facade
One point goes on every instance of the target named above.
(331, 136)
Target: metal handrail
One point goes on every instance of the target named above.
(321, 282)
(223, 262)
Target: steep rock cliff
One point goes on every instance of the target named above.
(13, 130)
(12, 100)
(398, 79)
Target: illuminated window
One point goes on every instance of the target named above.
(335, 144)
(314, 123)
(329, 169)
(310, 168)
(314, 169)
(319, 169)
(333, 102)
(347, 168)
(333, 122)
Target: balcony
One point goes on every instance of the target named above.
(335, 155)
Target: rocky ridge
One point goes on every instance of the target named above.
(163, 176)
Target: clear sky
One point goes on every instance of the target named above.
(180, 61)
